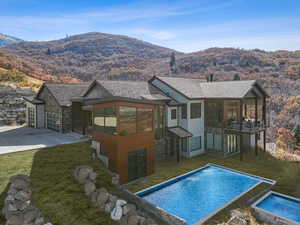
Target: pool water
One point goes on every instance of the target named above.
(282, 206)
(196, 195)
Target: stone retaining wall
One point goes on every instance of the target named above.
(12, 105)
(18, 207)
(163, 217)
(125, 212)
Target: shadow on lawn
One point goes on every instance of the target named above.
(55, 191)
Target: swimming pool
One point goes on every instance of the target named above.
(197, 195)
(274, 205)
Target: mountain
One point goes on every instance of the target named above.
(91, 55)
(6, 40)
(106, 56)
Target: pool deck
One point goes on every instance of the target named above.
(180, 177)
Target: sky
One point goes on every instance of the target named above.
(183, 25)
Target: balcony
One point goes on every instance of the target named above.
(247, 126)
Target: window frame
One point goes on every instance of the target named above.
(184, 112)
(172, 115)
(200, 144)
(197, 114)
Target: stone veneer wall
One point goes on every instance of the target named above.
(66, 119)
(12, 105)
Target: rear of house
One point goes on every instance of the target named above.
(133, 124)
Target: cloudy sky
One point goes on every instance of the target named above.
(184, 25)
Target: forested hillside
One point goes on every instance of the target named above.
(105, 56)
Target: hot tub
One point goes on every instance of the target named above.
(276, 208)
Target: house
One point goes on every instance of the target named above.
(51, 107)
(224, 118)
(132, 124)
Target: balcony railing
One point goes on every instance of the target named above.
(246, 126)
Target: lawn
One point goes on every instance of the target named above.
(62, 199)
(55, 191)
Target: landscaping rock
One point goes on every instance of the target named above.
(115, 179)
(117, 212)
(124, 220)
(102, 198)
(39, 221)
(109, 206)
(127, 208)
(23, 195)
(133, 219)
(18, 209)
(15, 219)
(93, 176)
(149, 221)
(89, 188)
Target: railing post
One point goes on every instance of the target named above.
(241, 127)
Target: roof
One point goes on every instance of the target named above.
(180, 132)
(131, 89)
(63, 93)
(33, 100)
(198, 88)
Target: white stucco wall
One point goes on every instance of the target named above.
(195, 126)
(170, 122)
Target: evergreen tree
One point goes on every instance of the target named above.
(236, 77)
(172, 61)
(48, 51)
(296, 132)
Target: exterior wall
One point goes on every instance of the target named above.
(196, 126)
(51, 105)
(170, 122)
(118, 147)
(30, 105)
(66, 119)
(40, 116)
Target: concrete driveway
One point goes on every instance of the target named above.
(19, 138)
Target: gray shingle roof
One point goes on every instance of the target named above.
(180, 132)
(132, 89)
(198, 88)
(65, 92)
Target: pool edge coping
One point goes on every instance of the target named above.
(262, 180)
(254, 205)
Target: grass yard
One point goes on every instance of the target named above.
(55, 191)
(62, 199)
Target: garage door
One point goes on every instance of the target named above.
(137, 164)
(53, 121)
(31, 116)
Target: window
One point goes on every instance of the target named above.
(53, 121)
(184, 144)
(127, 120)
(173, 114)
(214, 113)
(144, 121)
(105, 119)
(183, 112)
(195, 143)
(232, 108)
(195, 110)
